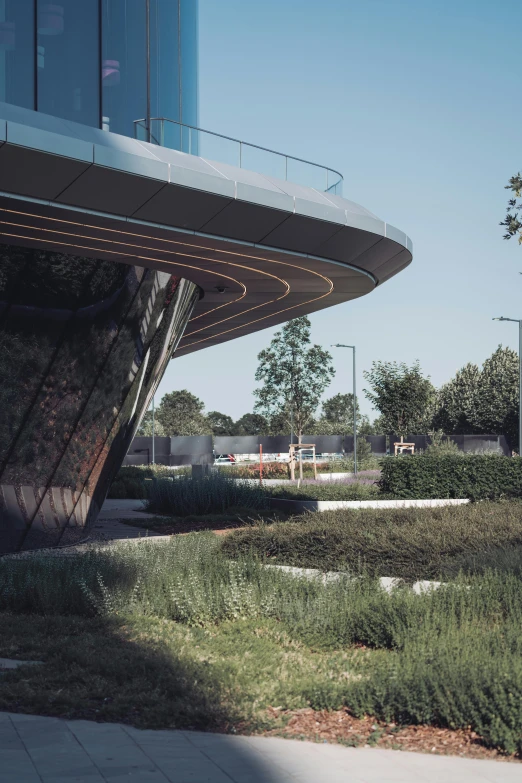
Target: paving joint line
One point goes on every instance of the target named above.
(28, 754)
(234, 780)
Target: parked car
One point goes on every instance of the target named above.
(224, 459)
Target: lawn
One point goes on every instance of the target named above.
(178, 634)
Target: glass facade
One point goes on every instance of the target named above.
(104, 63)
(83, 345)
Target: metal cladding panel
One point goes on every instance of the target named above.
(132, 164)
(396, 234)
(191, 445)
(347, 244)
(275, 443)
(317, 211)
(328, 444)
(208, 183)
(236, 444)
(52, 143)
(377, 443)
(3, 131)
(108, 190)
(257, 194)
(28, 172)
(140, 443)
(249, 222)
(302, 234)
(182, 207)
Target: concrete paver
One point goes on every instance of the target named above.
(35, 749)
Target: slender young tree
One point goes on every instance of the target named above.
(294, 374)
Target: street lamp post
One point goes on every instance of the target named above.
(153, 434)
(339, 345)
(519, 322)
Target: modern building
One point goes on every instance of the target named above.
(126, 233)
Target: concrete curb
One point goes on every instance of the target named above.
(332, 505)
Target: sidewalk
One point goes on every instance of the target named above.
(49, 750)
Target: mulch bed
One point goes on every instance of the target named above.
(339, 726)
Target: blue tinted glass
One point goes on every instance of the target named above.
(17, 52)
(124, 65)
(69, 60)
(189, 61)
(164, 59)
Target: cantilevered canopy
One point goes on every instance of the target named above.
(261, 250)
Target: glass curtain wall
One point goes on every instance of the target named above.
(124, 64)
(91, 61)
(68, 53)
(17, 54)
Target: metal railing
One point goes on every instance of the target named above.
(224, 149)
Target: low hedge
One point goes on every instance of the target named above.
(476, 476)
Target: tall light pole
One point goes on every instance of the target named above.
(153, 433)
(519, 322)
(339, 345)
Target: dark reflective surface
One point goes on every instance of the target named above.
(17, 52)
(69, 59)
(83, 344)
(124, 58)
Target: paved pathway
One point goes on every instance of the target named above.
(50, 750)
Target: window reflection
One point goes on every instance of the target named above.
(164, 68)
(69, 59)
(124, 64)
(17, 52)
(189, 62)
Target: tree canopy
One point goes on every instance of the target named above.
(402, 395)
(220, 423)
(294, 375)
(181, 413)
(512, 222)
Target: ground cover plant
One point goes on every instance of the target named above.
(411, 543)
(362, 487)
(211, 494)
(176, 634)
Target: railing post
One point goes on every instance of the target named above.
(240, 154)
(286, 168)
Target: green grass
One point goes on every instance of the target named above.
(415, 543)
(329, 491)
(176, 634)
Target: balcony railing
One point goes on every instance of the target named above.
(214, 146)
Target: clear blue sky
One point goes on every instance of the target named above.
(417, 103)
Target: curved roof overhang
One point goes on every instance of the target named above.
(262, 250)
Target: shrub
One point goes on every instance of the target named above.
(477, 477)
(412, 543)
(130, 482)
(210, 494)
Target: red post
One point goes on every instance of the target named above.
(260, 463)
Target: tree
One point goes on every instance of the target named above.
(402, 395)
(294, 376)
(337, 417)
(497, 403)
(511, 222)
(181, 413)
(145, 428)
(220, 423)
(252, 424)
(457, 401)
